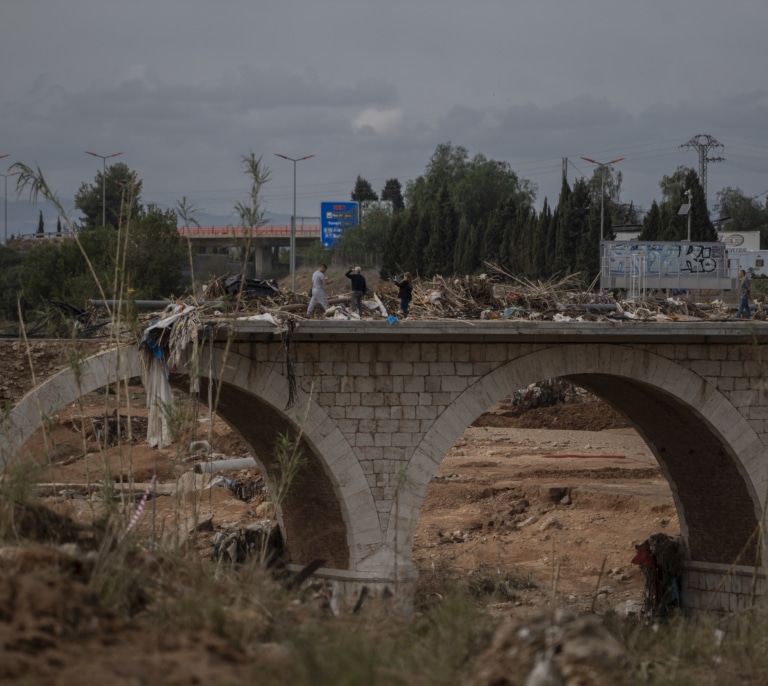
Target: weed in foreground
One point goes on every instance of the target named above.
(702, 649)
(436, 648)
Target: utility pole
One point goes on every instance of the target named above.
(704, 143)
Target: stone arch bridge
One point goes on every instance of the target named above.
(379, 406)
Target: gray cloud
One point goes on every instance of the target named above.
(186, 88)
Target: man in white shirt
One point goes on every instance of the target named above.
(319, 281)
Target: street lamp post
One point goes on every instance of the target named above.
(602, 166)
(293, 217)
(104, 159)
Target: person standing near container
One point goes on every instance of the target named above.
(319, 281)
(405, 293)
(745, 288)
(359, 289)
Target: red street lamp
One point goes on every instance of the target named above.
(293, 217)
(104, 159)
(602, 166)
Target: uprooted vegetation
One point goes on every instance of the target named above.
(497, 296)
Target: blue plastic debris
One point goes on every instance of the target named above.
(508, 312)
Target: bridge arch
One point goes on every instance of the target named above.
(330, 489)
(710, 455)
(62, 389)
(329, 510)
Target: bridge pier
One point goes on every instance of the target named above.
(720, 588)
(262, 260)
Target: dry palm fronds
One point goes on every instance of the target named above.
(544, 296)
(441, 297)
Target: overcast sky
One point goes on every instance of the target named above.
(184, 88)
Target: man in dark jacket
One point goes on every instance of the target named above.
(405, 293)
(358, 289)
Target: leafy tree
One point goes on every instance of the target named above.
(439, 252)
(518, 225)
(145, 254)
(746, 213)
(122, 195)
(560, 258)
(449, 212)
(466, 254)
(395, 244)
(365, 242)
(651, 230)
(40, 224)
(74, 283)
(393, 192)
(154, 254)
(543, 242)
(494, 247)
(674, 226)
(584, 218)
(10, 265)
(58, 225)
(151, 269)
(363, 191)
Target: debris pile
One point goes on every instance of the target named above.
(497, 295)
(237, 544)
(112, 429)
(552, 648)
(661, 559)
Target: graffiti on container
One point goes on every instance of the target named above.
(665, 259)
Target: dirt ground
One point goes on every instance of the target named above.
(551, 495)
(543, 504)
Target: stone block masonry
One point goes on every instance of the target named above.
(379, 407)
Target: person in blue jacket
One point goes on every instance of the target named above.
(745, 288)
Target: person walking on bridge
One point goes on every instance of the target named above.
(359, 289)
(745, 288)
(404, 293)
(319, 281)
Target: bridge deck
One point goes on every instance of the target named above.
(479, 331)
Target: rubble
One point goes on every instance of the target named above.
(552, 648)
(498, 295)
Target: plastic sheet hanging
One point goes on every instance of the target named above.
(159, 402)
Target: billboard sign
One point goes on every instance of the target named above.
(334, 218)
